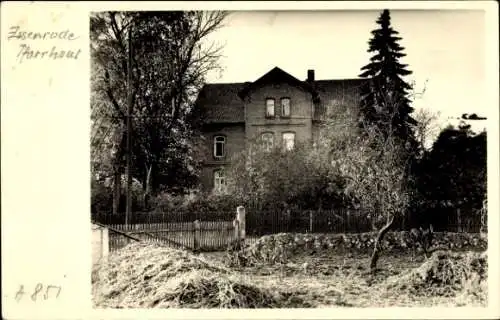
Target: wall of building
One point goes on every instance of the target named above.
(235, 143)
(235, 140)
(300, 120)
(339, 104)
(337, 114)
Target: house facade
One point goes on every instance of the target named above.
(277, 108)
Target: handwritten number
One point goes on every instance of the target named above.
(46, 294)
(47, 289)
(20, 293)
(38, 288)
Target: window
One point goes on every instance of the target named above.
(219, 146)
(270, 108)
(219, 180)
(288, 140)
(267, 141)
(285, 107)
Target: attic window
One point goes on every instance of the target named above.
(219, 146)
(270, 108)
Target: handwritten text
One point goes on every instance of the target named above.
(26, 52)
(40, 291)
(15, 33)
(55, 52)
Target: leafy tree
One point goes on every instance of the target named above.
(385, 102)
(170, 58)
(453, 173)
(300, 177)
(107, 146)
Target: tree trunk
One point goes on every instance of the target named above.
(147, 189)
(378, 240)
(117, 168)
(377, 211)
(116, 190)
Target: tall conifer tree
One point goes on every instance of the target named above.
(385, 101)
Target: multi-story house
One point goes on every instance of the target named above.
(276, 108)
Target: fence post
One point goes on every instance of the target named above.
(310, 221)
(197, 235)
(459, 220)
(104, 242)
(240, 218)
(347, 225)
(236, 226)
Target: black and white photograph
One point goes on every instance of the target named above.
(278, 159)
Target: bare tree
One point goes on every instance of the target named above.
(170, 58)
(375, 166)
(427, 127)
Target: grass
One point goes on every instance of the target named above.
(149, 276)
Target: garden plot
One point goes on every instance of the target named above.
(150, 276)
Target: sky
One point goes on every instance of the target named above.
(445, 51)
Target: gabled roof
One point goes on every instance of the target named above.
(276, 75)
(223, 102)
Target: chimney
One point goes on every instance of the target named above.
(310, 75)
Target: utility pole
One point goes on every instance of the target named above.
(128, 213)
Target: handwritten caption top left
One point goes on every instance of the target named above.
(59, 43)
(15, 33)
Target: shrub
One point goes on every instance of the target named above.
(101, 197)
(208, 207)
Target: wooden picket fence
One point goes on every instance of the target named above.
(271, 221)
(264, 221)
(459, 222)
(195, 235)
(216, 231)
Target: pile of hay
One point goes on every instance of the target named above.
(149, 276)
(446, 273)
